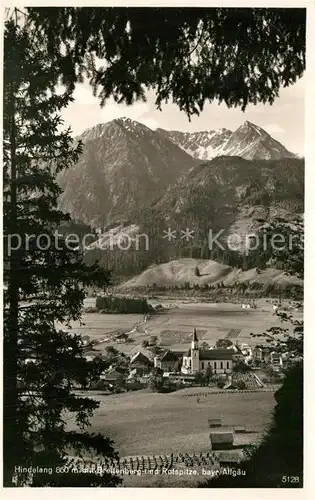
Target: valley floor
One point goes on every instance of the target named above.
(142, 423)
(175, 325)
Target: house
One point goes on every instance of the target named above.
(237, 354)
(239, 428)
(196, 360)
(222, 439)
(246, 349)
(261, 353)
(140, 364)
(178, 377)
(167, 361)
(276, 360)
(228, 459)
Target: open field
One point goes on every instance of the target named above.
(212, 321)
(150, 424)
(174, 327)
(143, 423)
(98, 325)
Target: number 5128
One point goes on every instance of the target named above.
(290, 479)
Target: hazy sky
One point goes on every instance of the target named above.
(284, 120)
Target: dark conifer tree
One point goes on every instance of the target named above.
(42, 365)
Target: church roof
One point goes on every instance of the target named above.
(213, 354)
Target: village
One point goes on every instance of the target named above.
(188, 385)
(225, 364)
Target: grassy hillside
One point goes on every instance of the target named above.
(183, 271)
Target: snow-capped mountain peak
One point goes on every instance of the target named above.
(248, 141)
(253, 143)
(114, 128)
(202, 145)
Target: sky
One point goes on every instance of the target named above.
(284, 120)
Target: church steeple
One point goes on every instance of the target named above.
(194, 343)
(194, 353)
(195, 338)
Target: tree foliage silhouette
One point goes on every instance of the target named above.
(190, 56)
(42, 364)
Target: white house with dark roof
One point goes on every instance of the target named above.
(196, 360)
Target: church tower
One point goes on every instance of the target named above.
(194, 353)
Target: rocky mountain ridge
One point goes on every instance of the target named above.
(248, 141)
(123, 166)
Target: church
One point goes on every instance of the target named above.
(198, 360)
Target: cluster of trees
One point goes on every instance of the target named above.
(221, 383)
(239, 384)
(271, 377)
(158, 383)
(204, 377)
(124, 263)
(116, 359)
(50, 280)
(246, 289)
(113, 359)
(123, 305)
(241, 367)
(223, 343)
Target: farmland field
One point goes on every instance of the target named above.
(149, 423)
(144, 423)
(174, 327)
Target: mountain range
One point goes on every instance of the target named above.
(126, 166)
(248, 141)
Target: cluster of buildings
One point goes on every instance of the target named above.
(193, 361)
(220, 361)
